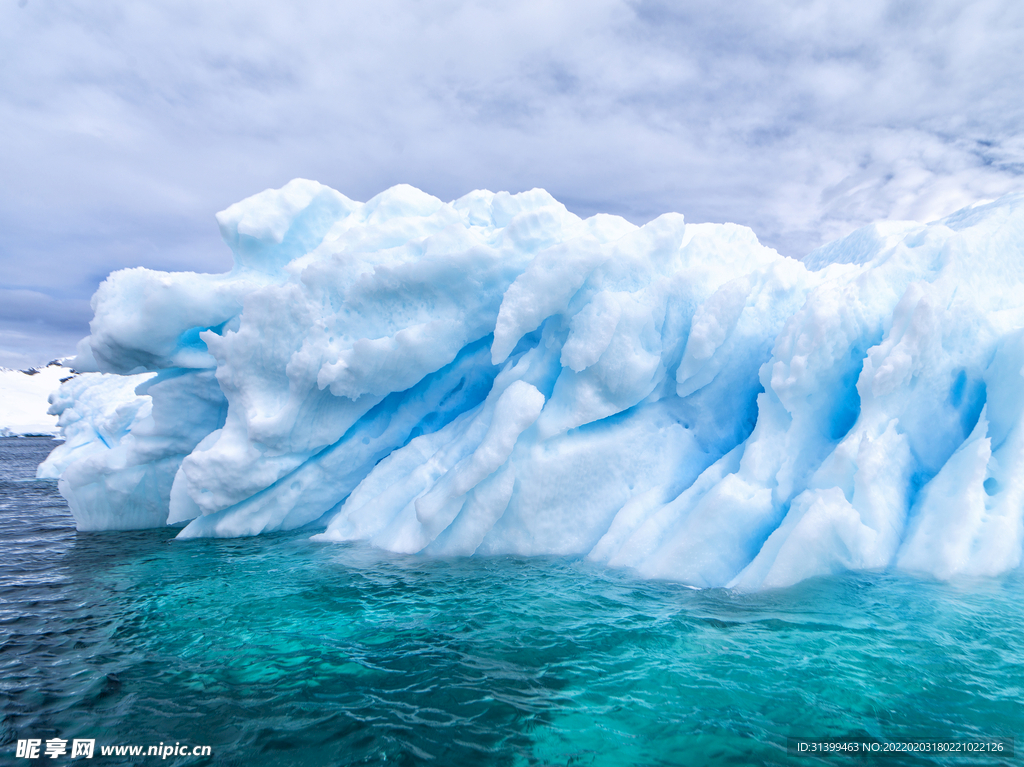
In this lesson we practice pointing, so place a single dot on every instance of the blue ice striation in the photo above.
(496, 375)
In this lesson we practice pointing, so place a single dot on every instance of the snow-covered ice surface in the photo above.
(23, 400)
(495, 375)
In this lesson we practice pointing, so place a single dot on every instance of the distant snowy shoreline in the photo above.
(24, 400)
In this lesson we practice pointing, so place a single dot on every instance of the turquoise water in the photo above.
(279, 651)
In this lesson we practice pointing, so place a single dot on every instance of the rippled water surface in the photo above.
(279, 651)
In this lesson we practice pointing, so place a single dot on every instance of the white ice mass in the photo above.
(496, 375)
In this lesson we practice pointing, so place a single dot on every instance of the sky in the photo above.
(125, 126)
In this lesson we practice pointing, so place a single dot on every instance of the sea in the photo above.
(277, 650)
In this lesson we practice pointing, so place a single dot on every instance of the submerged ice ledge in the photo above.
(495, 375)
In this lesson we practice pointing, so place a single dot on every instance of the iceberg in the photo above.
(496, 375)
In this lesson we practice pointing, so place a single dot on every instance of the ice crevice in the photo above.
(496, 375)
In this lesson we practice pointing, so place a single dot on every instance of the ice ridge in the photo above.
(495, 375)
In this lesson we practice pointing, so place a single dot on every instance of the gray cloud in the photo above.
(127, 125)
(31, 321)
